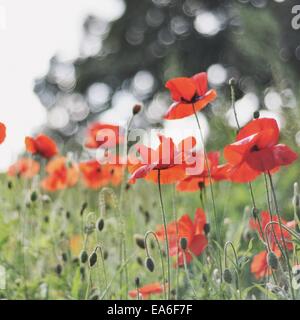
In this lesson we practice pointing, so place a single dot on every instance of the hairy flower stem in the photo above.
(218, 231)
(249, 183)
(166, 233)
(188, 275)
(177, 232)
(281, 234)
(160, 253)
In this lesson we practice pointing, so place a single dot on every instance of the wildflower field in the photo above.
(142, 224)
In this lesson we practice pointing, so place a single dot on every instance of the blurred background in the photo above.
(67, 63)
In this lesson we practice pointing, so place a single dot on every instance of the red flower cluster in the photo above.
(41, 145)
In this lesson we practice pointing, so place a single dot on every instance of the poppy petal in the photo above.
(201, 83)
(181, 89)
(2, 132)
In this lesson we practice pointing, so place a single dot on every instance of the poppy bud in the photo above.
(255, 212)
(227, 276)
(140, 241)
(136, 109)
(95, 297)
(150, 264)
(83, 207)
(33, 196)
(64, 257)
(58, 269)
(206, 228)
(9, 185)
(68, 215)
(105, 255)
(84, 256)
(100, 224)
(137, 282)
(272, 260)
(256, 114)
(46, 219)
(82, 273)
(93, 259)
(231, 82)
(183, 243)
(139, 260)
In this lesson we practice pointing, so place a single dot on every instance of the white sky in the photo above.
(31, 32)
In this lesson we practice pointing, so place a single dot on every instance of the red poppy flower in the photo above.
(264, 220)
(147, 290)
(42, 145)
(101, 133)
(95, 175)
(194, 233)
(61, 175)
(25, 168)
(193, 183)
(172, 161)
(2, 132)
(256, 151)
(189, 94)
(259, 265)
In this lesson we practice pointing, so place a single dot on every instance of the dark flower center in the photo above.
(254, 148)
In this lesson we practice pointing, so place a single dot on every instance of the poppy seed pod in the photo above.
(150, 264)
(84, 256)
(140, 241)
(136, 109)
(183, 243)
(227, 276)
(272, 260)
(100, 224)
(256, 114)
(93, 259)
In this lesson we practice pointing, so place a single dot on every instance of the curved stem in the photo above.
(281, 233)
(188, 274)
(166, 233)
(160, 253)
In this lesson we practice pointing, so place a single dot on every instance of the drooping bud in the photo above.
(150, 264)
(255, 212)
(136, 109)
(100, 224)
(140, 241)
(9, 185)
(256, 114)
(64, 256)
(93, 259)
(137, 282)
(83, 207)
(84, 256)
(231, 81)
(33, 196)
(58, 269)
(206, 228)
(272, 260)
(139, 260)
(227, 276)
(183, 243)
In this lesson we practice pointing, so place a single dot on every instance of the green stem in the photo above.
(218, 232)
(281, 233)
(166, 233)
